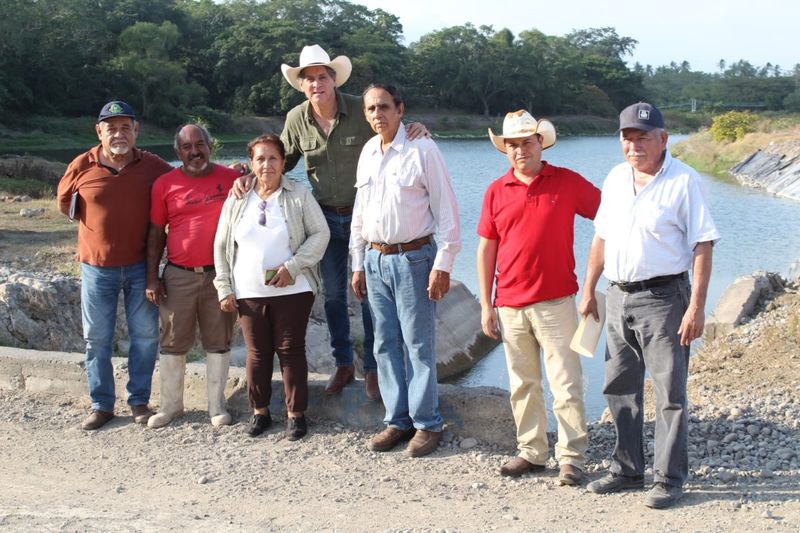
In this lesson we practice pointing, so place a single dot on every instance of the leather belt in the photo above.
(197, 269)
(636, 286)
(388, 249)
(347, 210)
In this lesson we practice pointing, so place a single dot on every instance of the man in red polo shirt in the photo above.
(188, 201)
(526, 253)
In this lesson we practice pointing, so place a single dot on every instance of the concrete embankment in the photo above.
(482, 413)
(776, 168)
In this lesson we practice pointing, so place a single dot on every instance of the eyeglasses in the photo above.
(262, 216)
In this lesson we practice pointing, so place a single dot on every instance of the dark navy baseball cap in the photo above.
(116, 108)
(641, 116)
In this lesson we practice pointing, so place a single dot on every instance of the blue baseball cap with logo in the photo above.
(115, 108)
(641, 116)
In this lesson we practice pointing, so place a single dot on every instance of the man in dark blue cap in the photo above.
(652, 227)
(107, 190)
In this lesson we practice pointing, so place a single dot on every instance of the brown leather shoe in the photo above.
(340, 378)
(96, 419)
(141, 413)
(389, 438)
(570, 475)
(518, 466)
(423, 443)
(371, 388)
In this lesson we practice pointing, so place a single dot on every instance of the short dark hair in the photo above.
(391, 89)
(203, 131)
(269, 138)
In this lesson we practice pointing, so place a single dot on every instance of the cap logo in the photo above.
(644, 114)
(115, 108)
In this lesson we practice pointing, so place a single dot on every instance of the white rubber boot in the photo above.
(216, 378)
(171, 369)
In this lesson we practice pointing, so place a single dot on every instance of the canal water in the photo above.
(758, 229)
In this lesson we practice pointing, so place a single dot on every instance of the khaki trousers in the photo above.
(547, 328)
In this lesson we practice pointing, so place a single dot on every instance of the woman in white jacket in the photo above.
(266, 254)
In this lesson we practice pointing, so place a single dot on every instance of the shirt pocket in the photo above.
(652, 217)
(308, 144)
(407, 175)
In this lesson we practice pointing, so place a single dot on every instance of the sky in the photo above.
(701, 31)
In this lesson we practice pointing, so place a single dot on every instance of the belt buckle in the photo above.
(198, 270)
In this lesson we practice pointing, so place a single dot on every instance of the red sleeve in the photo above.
(158, 203)
(486, 225)
(588, 197)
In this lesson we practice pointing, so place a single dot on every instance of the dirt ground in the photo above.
(192, 477)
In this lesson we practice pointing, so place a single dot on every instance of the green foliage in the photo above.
(732, 126)
(175, 58)
(792, 102)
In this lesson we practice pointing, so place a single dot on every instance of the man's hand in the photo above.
(489, 323)
(228, 304)
(438, 284)
(154, 291)
(359, 285)
(588, 305)
(240, 186)
(692, 325)
(416, 130)
(243, 168)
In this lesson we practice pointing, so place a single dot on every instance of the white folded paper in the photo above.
(589, 330)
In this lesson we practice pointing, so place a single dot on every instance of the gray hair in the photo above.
(659, 132)
(203, 131)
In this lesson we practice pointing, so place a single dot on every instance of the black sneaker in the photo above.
(662, 496)
(259, 424)
(296, 427)
(612, 482)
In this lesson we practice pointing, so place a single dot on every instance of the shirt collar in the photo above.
(510, 179)
(398, 143)
(341, 107)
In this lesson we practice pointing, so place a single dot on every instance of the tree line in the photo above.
(173, 58)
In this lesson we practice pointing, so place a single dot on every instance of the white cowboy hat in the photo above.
(519, 125)
(313, 56)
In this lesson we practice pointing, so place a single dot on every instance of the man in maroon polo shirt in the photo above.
(526, 254)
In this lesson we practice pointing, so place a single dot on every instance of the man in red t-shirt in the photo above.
(526, 253)
(188, 200)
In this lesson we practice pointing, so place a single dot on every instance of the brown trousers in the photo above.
(273, 325)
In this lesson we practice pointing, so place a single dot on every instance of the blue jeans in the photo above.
(405, 340)
(100, 288)
(335, 285)
(642, 332)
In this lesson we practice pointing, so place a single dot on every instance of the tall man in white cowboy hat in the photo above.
(109, 187)
(329, 129)
(526, 254)
(653, 225)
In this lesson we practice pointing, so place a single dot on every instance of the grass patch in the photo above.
(42, 243)
(706, 155)
(25, 186)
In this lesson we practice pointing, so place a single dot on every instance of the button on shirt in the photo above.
(652, 233)
(403, 195)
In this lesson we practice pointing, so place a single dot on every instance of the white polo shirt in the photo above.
(652, 233)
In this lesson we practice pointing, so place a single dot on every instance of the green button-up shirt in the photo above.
(331, 160)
